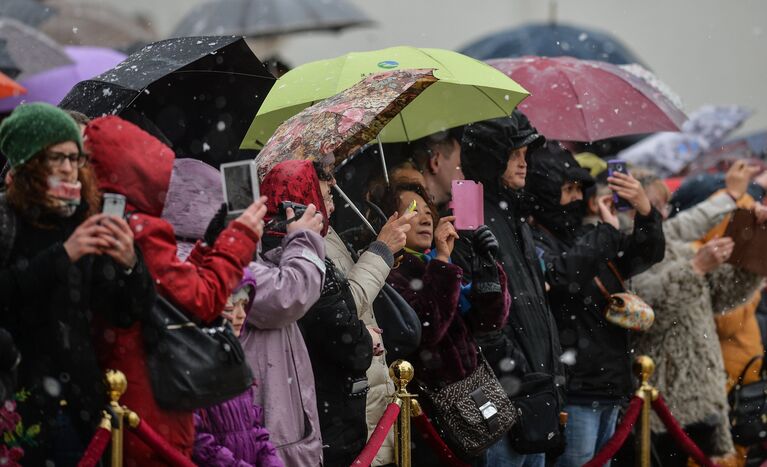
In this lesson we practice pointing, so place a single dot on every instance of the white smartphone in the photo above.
(240, 184)
(113, 204)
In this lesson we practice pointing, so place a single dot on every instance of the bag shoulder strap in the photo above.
(739, 381)
(618, 276)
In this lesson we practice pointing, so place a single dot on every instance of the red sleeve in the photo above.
(203, 287)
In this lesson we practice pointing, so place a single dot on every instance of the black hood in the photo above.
(548, 169)
(485, 146)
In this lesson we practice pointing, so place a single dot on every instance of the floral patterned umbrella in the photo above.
(333, 129)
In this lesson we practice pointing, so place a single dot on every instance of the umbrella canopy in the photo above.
(467, 91)
(52, 85)
(27, 11)
(95, 23)
(551, 40)
(263, 18)
(197, 93)
(9, 87)
(584, 100)
(31, 50)
(669, 153)
(334, 128)
(7, 65)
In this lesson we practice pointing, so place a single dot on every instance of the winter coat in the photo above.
(131, 162)
(738, 329)
(366, 278)
(290, 280)
(232, 434)
(49, 305)
(341, 349)
(448, 351)
(689, 368)
(573, 257)
(530, 338)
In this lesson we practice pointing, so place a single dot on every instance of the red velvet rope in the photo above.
(619, 437)
(95, 448)
(170, 455)
(681, 438)
(368, 453)
(437, 444)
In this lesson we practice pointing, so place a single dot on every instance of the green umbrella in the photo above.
(467, 91)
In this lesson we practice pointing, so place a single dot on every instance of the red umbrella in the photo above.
(584, 100)
(9, 87)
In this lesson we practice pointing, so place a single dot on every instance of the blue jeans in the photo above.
(588, 429)
(501, 454)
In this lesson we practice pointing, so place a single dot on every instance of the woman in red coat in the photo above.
(129, 161)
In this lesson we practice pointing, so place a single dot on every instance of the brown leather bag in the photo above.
(750, 242)
(625, 309)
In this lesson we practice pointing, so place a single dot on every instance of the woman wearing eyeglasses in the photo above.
(62, 265)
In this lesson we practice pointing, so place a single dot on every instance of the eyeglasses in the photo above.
(56, 159)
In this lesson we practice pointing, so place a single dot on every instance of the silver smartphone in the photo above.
(113, 204)
(240, 185)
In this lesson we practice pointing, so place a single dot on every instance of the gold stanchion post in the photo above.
(401, 373)
(644, 368)
(118, 384)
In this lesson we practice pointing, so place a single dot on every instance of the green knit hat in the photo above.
(33, 127)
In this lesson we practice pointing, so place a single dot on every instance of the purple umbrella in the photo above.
(52, 85)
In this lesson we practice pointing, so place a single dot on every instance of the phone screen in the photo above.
(240, 185)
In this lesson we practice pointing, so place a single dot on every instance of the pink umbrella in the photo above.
(52, 85)
(584, 100)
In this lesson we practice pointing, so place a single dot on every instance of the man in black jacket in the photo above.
(599, 353)
(526, 355)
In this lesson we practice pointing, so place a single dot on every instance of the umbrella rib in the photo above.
(404, 128)
(578, 100)
(219, 72)
(491, 99)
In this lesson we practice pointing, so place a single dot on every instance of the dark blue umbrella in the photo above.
(551, 40)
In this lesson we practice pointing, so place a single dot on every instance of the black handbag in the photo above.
(748, 407)
(192, 366)
(399, 322)
(538, 429)
(471, 414)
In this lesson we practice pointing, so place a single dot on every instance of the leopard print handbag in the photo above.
(471, 414)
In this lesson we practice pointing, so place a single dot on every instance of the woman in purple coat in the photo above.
(232, 433)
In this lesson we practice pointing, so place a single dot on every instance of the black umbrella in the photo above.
(198, 93)
(262, 18)
(7, 64)
(28, 12)
(552, 40)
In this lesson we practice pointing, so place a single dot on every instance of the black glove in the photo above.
(216, 225)
(484, 242)
(484, 269)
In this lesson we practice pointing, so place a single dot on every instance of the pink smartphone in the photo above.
(468, 204)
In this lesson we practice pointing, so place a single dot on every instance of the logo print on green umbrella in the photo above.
(388, 64)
